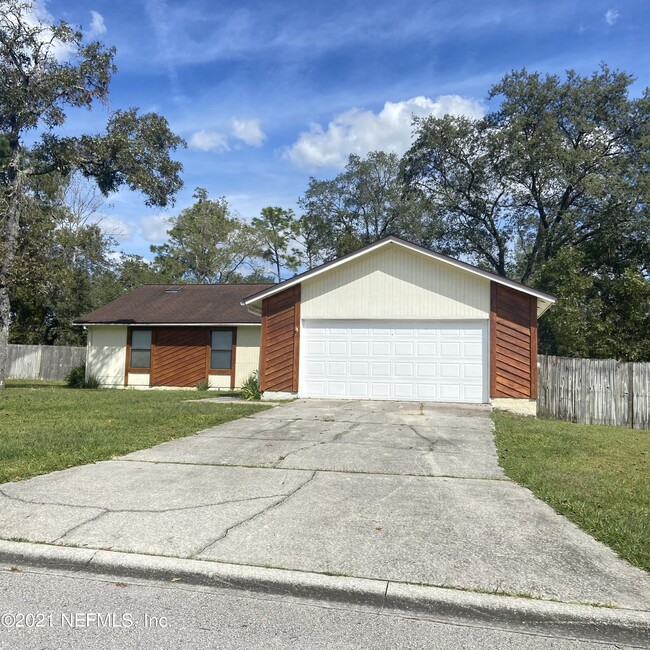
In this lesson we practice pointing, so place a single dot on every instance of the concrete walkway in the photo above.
(406, 492)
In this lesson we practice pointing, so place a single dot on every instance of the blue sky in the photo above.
(268, 94)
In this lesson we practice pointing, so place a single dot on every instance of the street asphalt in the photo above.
(54, 609)
(399, 492)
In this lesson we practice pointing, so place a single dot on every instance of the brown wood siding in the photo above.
(513, 343)
(280, 341)
(178, 356)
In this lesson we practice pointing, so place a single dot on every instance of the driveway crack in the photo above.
(281, 459)
(254, 516)
(429, 442)
(47, 503)
(83, 523)
(144, 510)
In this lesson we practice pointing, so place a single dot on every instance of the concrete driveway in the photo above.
(399, 491)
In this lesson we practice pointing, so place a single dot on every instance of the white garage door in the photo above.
(443, 361)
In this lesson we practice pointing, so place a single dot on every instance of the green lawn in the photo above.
(597, 476)
(47, 426)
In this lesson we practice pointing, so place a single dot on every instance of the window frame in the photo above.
(129, 350)
(233, 347)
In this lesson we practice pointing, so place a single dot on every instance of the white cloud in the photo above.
(248, 131)
(360, 131)
(38, 15)
(154, 228)
(97, 25)
(209, 141)
(115, 227)
(611, 16)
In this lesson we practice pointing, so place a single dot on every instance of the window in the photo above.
(140, 349)
(221, 350)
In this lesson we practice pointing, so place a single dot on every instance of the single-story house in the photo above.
(390, 321)
(176, 336)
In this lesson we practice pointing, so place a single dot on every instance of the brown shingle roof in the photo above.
(196, 304)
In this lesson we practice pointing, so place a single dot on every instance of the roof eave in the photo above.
(324, 268)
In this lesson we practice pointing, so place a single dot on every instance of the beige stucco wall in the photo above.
(222, 382)
(248, 352)
(106, 356)
(139, 379)
(397, 284)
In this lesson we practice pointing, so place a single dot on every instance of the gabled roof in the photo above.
(544, 300)
(182, 304)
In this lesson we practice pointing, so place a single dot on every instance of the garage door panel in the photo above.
(426, 391)
(450, 370)
(359, 348)
(450, 392)
(403, 370)
(380, 348)
(472, 349)
(359, 368)
(380, 390)
(315, 368)
(380, 370)
(404, 391)
(404, 348)
(425, 349)
(438, 361)
(425, 370)
(359, 390)
(472, 370)
(337, 368)
(448, 349)
(317, 347)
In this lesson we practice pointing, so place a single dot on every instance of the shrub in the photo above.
(251, 387)
(76, 378)
(91, 382)
(203, 385)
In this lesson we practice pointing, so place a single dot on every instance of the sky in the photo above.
(270, 93)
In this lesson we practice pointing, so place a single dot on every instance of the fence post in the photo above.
(630, 393)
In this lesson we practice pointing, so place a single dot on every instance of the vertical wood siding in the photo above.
(179, 357)
(280, 341)
(513, 343)
(396, 284)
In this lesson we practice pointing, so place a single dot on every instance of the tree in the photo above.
(63, 262)
(207, 243)
(602, 311)
(551, 188)
(559, 163)
(364, 203)
(45, 70)
(278, 230)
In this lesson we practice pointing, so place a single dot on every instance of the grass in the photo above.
(45, 426)
(596, 476)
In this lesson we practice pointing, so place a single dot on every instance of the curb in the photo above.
(627, 626)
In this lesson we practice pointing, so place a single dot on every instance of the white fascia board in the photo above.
(540, 295)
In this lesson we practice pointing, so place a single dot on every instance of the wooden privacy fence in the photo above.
(595, 391)
(49, 362)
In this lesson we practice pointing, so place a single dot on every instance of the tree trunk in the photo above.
(5, 310)
(11, 220)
